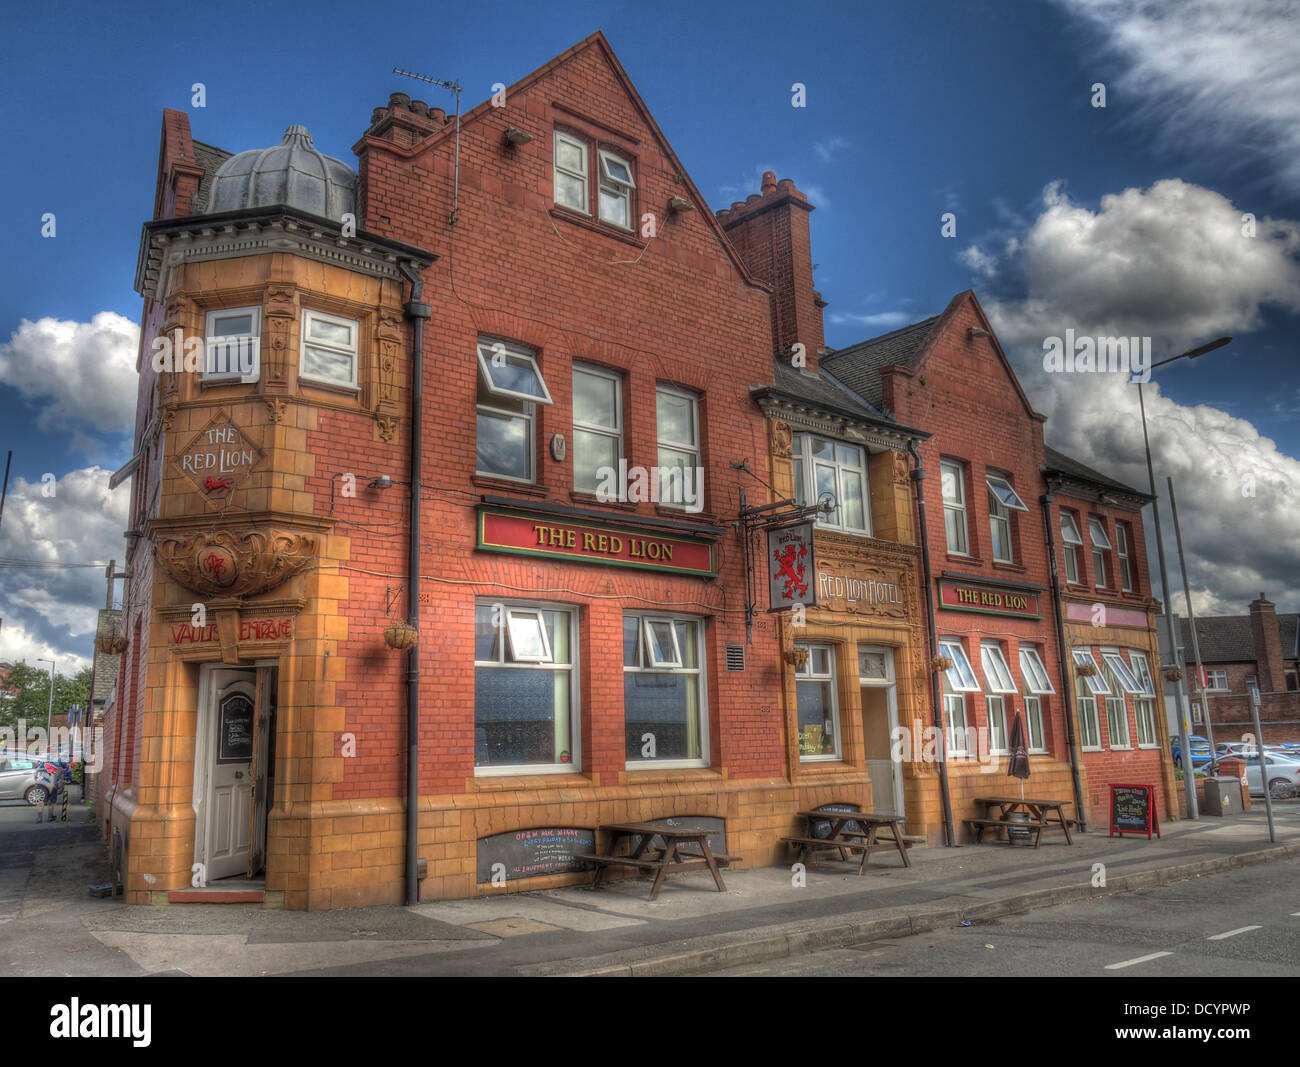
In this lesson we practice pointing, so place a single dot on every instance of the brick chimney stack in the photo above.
(1268, 646)
(769, 231)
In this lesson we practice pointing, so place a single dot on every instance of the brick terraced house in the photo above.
(989, 531)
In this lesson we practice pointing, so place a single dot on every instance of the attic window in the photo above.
(616, 187)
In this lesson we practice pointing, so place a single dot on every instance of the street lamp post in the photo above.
(49, 714)
(1184, 711)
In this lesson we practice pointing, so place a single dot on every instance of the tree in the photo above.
(25, 694)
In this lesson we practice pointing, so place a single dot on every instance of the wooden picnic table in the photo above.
(850, 831)
(671, 859)
(1037, 810)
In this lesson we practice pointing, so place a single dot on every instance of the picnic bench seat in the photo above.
(1037, 828)
(851, 840)
(685, 848)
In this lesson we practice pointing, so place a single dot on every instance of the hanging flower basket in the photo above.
(941, 663)
(400, 634)
(1085, 670)
(1174, 675)
(796, 657)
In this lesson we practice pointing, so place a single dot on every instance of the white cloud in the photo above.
(51, 612)
(828, 149)
(982, 263)
(81, 374)
(889, 320)
(1211, 72)
(1169, 262)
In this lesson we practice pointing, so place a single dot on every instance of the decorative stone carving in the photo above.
(779, 438)
(276, 404)
(235, 563)
(388, 427)
(902, 468)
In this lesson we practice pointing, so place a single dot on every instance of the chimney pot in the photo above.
(769, 182)
(399, 100)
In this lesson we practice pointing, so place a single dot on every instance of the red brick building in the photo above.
(1103, 588)
(989, 524)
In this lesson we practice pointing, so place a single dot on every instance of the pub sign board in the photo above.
(791, 566)
(1133, 810)
(988, 599)
(584, 541)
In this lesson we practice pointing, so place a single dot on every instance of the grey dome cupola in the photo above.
(293, 173)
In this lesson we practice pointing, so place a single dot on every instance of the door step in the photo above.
(240, 893)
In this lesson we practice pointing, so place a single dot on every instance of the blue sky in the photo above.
(978, 108)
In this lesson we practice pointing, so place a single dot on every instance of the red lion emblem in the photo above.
(790, 560)
(216, 485)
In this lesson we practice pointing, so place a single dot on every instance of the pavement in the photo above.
(49, 925)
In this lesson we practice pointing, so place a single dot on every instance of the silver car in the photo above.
(23, 777)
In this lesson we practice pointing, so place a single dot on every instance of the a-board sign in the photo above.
(235, 726)
(534, 853)
(1133, 810)
(822, 829)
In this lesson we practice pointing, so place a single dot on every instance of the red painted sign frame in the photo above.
(1153, 812)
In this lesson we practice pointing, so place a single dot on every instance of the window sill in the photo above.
(1091, 748)
(329, 387)
(826, 763)
(527, 488)
(489, 780)
(673, 771)
(587, 222)
(957, 557)
(591, 500)
(1016, 568)
(1150, 748)
(1121, 748)
(683, 514)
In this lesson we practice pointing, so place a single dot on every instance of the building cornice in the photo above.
(168, 243)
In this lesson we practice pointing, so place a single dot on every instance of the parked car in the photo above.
(23, 777)
(1283, 776)
(1201, 753)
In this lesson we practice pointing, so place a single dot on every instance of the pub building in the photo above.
(352, 679)
(1103, 591)
(987, 570)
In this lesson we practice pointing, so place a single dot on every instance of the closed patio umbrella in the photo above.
(1018, 765)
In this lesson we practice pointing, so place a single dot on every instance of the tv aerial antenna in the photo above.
(456, 88)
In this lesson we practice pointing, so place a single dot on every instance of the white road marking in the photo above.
(1140, 959)
(1233, 933)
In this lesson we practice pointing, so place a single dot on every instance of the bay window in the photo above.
(232, 345)
(525, 698)
(329, 350)
(823, 466)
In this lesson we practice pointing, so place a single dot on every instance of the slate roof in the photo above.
(209, 157)
(1227, 638)
(858, 366)
(822, 392)
(1060, 463)
(105, 664)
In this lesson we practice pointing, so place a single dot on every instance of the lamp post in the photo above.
(1184, 712)
(49, 714)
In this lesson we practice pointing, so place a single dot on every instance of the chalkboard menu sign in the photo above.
(1133, 810)
(534, 853)
(235, 730)
(822, 829)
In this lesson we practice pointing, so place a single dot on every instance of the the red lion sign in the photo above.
(790, 562)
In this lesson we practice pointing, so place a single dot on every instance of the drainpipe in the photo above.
(1067, 691)
(417, 312)
(932, 638)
